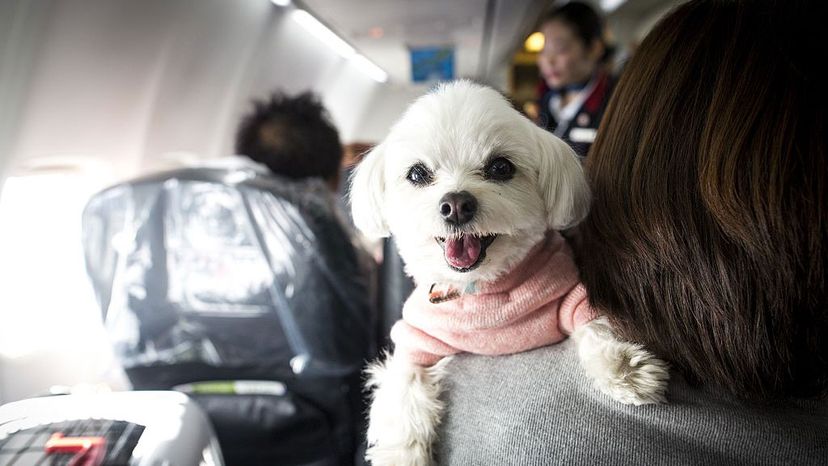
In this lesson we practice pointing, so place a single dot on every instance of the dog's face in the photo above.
(467, 186)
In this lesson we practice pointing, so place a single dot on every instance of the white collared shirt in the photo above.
(565, 115)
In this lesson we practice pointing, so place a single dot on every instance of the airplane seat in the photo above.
(246, 292)
(395, 286)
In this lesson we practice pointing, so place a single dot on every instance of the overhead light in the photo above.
(344, 49)
(534, 43)
(315, 27)
(611, 5)
(281, 2)
(368, 67)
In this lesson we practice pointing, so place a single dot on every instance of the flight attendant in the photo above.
(572, 67)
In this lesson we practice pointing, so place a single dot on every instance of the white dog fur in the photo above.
(454, 131)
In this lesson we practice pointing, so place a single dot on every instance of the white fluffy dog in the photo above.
(468, 186)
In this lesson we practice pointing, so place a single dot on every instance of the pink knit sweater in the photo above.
(538, 303)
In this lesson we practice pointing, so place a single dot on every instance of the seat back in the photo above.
(229, 274)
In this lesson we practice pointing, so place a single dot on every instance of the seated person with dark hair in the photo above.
(238, 283)
(293, 137)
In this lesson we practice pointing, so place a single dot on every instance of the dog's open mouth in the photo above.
(465, 252)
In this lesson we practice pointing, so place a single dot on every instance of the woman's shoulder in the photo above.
(538, 407)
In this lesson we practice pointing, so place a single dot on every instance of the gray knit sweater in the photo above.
(538, 408)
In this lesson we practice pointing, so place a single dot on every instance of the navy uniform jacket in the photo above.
(582, 129)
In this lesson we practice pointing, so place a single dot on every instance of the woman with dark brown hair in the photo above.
(707, 243)
(707, 237)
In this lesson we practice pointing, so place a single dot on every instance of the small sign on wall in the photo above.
(430, 64)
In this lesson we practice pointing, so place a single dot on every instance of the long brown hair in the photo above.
(707, 237)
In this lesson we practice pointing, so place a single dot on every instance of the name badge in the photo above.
(586, 135)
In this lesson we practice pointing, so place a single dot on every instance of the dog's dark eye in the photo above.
(499, 169)
(419, 175)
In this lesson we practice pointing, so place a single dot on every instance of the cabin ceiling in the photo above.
(484, 33)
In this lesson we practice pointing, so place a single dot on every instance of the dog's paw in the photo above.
(625, 371)
(405, 412)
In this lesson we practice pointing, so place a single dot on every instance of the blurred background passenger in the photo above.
(352, 155)
(576, 84)
(293, 137)
(707, 243)
(239, 283)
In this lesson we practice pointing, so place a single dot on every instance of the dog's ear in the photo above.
(367, 193)
(562, 181)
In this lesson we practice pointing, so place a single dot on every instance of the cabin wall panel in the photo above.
(143, 85)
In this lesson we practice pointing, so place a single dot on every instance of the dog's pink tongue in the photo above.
(462, 252)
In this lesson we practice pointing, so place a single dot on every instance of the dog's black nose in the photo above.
(458, 208)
